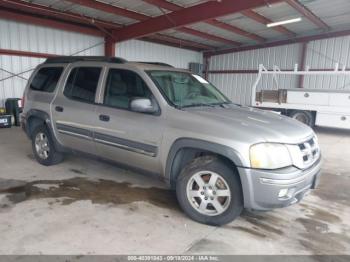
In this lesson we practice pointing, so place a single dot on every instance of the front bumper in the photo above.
(269, 189)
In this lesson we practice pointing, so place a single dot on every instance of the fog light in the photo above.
(283, 192)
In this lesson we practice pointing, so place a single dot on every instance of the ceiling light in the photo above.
(289, 21)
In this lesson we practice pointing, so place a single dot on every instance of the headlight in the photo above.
(269, 156)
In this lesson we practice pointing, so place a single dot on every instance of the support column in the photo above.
(302, 63)
(109, 47)
(206, 67)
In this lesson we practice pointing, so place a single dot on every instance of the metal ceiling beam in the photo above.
(263, 20)
(35, 9)
(181, 42)
(46, 22)
(191, 31)
(302, 9)
(110, 9)
(301, 39)
(127, 13)
(214, 22)
(186, 16)
(236, 30)
(164, 4)
(47, 11)
(109, 44)
(151, 39)
(24, 53)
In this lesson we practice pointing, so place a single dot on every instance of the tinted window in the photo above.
(82, 83)
(46, 79)
(122, 86)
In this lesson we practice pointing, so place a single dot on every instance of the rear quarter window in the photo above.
(46, 79)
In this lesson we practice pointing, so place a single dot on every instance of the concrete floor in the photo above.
(88, 207)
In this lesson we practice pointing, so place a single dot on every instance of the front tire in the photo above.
(209, 191)
(43, 147)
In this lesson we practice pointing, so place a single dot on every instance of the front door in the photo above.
(74, 109)
(127, 137)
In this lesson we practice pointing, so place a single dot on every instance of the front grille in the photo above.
(310, 151)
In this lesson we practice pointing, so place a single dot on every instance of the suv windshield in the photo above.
(183, 89)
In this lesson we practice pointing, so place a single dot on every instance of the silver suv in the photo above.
(219, 157)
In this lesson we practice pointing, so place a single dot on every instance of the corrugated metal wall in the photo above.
(322, 54)
(286, 56)
(238, 86)
(24, 37)
(136, 50)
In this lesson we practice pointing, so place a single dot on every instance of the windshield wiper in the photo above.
(221, 103)
(227, 103)
(198, 104)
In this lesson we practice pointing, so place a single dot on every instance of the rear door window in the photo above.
(82, 84)
(46, 79)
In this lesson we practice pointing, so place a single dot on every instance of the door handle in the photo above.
(104, 118)
(59, 108)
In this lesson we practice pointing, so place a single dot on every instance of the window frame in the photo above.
(97, 87)
(104, 90)
(57, 84)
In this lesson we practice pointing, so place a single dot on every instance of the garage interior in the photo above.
(86, 207)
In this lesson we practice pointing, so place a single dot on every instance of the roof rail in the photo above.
(155, 63)
(72, 59)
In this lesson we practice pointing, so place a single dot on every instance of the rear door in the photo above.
(124, 136)
(74, 108)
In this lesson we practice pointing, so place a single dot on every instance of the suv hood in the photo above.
(255, 123)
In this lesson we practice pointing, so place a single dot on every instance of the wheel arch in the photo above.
(36, 117)
(183, 150)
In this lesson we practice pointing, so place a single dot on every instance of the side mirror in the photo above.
(143, 105)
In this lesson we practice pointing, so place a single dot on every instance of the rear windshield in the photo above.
(46, 79)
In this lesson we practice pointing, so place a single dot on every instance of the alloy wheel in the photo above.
(42, 145)
(208, 193)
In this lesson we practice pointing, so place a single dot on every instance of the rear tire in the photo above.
(43, 147)
(305, 117)
(209, 191)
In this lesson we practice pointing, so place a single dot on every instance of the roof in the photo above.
(244, 28)
(104, 59)
(72, 59)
